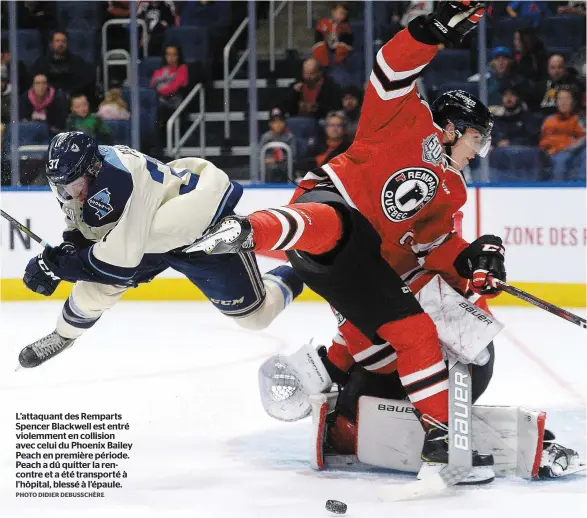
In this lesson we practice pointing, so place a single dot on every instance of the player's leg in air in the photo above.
(235, 286)
(340, 259)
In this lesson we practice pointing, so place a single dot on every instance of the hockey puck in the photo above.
(334, 506)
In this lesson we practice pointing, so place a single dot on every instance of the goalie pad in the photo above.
(390, 436)
(464, 329)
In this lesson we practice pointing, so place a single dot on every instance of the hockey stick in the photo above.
(460, 453)
(547, 306)
(24, 229)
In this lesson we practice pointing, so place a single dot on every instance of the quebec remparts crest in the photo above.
(407, 191)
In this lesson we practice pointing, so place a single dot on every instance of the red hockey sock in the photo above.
(421, 368)
(312, 227)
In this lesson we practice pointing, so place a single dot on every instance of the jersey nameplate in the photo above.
(407, 191)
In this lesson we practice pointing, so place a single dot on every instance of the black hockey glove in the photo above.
(39, 273)
(451, 21)
(484, 257)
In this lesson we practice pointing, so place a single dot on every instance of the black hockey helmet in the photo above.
(464, 111)
(71, 155)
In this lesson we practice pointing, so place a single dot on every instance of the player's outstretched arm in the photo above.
(401, 60)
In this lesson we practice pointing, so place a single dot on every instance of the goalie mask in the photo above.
(282, 394)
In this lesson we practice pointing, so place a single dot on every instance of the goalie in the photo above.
(369, 420)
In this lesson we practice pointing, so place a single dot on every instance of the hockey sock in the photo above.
(422, 370)
(312, 227)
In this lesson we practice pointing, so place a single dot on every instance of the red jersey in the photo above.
(395, 172)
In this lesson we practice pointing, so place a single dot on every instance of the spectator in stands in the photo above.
(413, 10)
(158, 16)
(64, 70)
(563, 138)
(514, 124)
(275, 158)
(315, 95)
(352, 97)
(37, 15)
(334, 37)
(502, 72)
(332, 142)
(44, 103)
(170, 82)
(558, 74)
(6, 92)
(23, 76)
(529, 54)
(82, 120)
(572, 8)
(527, 9)
(113, 107)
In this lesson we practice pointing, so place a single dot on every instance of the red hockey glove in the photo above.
(481, 260)
(450, 21)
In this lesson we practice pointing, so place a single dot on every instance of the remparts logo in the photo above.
(407, 191)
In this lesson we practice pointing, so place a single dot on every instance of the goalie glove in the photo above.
(481, 260)
(451, 21)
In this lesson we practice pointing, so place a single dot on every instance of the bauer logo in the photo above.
(432, 150)
(407, 191)
(100, 202)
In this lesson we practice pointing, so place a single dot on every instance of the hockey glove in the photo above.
(482, 259)
(39, 273)
(451, 21)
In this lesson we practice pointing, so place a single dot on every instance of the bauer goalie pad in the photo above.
(464, 329)
(390, 436)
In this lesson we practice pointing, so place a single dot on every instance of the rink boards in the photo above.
(543, 229)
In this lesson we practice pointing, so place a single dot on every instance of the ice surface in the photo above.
(185, 377)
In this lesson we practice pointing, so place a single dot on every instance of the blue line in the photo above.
(499, 185)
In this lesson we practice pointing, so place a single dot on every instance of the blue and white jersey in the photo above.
(138, 205)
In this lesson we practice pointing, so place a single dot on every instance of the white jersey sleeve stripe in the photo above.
(393, 94)
(393, 75)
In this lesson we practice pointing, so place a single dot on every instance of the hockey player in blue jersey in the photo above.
(128, 218)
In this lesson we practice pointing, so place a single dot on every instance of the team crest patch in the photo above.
(100, 202)
(340, 320)
(432, 150)
(407, 191)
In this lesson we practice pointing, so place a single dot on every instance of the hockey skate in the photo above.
(231, 235)
(558, 461)
(435, 457)
(42, 350)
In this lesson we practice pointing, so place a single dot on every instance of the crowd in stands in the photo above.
(535, 77)
(535, 84)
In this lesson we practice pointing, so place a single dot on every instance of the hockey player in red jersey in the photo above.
(390, 200)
